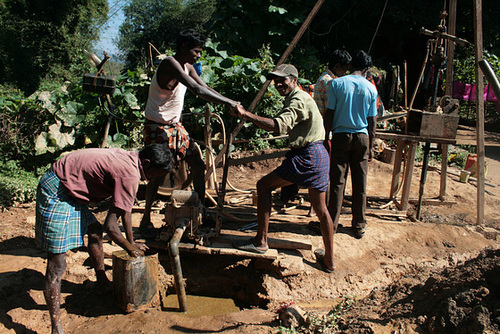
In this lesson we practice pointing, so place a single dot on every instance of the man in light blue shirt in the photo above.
(351, 118)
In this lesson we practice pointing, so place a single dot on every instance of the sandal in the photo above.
(359, 232)
(248, 246)
(320, 258)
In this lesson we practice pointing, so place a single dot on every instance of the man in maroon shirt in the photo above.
(63, 218)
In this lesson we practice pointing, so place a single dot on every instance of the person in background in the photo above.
(338, 66)
(63, 217)
(174, 76)
(351, 117)
(306, 164)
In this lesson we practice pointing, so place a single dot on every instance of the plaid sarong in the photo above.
(61, 222)
(174, 135)
(308, 166)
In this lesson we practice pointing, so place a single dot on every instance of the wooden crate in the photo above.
(431, 124)
(98, 83)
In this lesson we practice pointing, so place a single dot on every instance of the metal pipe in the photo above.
(490, 76)
(175, 262)
(423, 178)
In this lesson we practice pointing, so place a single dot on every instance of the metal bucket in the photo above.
(135, 281)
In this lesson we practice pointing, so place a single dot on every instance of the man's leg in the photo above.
(339, 167)
(97, 256)
(318, 200)
(56, 265)
(151, 189)
(197, 167)
(359, 173)
(265, 186)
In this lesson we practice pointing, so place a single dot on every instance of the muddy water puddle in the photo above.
(201, 305)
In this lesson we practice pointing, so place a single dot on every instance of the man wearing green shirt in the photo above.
(305, 165)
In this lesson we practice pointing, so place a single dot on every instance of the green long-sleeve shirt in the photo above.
(300, 119)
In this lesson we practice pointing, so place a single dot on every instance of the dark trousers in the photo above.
(349, 151)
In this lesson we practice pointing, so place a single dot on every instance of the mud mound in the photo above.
(461, 299)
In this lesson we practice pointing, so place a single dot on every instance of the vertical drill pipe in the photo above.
(175, 262)
(423, 178)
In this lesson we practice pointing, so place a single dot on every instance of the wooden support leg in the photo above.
(410, 162)
(396, 171)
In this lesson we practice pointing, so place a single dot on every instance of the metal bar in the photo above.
(490, 76)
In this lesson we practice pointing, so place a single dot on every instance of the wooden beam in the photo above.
(478, 41)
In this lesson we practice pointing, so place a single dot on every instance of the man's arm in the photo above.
(113, 230)
(170, 69)
(372, 128)
(265, 123)
(327, 122)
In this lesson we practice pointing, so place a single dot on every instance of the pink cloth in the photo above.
(92, 175)
(467, 92)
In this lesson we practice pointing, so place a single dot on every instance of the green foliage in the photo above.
(245, 26)
(43, 40)
(464, 64)
(240, 79)
(158, 22)
(322, 323)
(16, 185)
(457, 155)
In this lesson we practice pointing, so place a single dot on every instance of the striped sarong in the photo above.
(61, 222)
(308, 166)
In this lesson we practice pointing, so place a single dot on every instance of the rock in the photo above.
(291, 316)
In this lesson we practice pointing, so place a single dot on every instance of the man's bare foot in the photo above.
(311, 212)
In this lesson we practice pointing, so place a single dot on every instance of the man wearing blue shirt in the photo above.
(351, 118)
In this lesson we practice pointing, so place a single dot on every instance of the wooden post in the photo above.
(478, 41)
(452, 23)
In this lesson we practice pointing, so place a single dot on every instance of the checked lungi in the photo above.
(308, 166)
(61, 222)
(174, 135)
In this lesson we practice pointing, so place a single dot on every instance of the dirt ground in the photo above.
(437, 275)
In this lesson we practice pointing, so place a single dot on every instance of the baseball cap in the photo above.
(283, 70)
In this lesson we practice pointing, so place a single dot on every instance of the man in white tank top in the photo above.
(163, 111)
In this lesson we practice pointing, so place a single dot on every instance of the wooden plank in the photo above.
(260, 157)
(272, 242)
(378, 212)
(215, 249)
(223, 249)
(400, 136)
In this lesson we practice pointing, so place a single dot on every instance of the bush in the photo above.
(16, 185)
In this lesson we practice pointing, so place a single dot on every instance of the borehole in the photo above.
(214, 284)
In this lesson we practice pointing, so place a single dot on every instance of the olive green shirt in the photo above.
(300, 119)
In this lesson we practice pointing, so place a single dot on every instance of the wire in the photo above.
(378, 26)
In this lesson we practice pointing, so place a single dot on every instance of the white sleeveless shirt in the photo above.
(165, 106)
